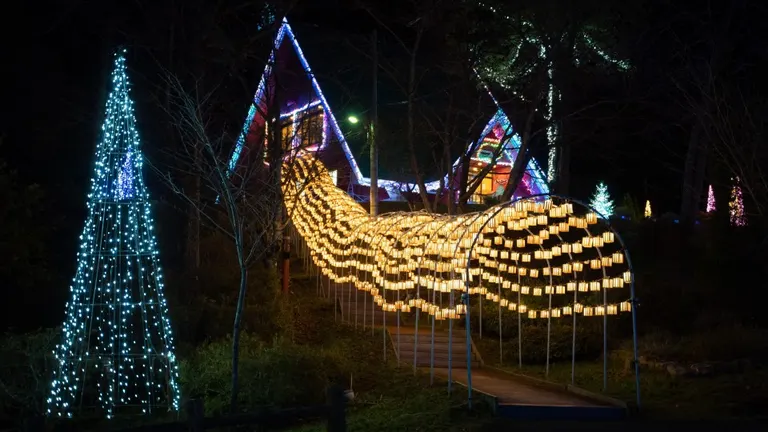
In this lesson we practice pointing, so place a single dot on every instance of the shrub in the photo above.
(26, 365)
(280, 375)
(720, 343)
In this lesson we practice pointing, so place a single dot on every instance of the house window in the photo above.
(303, 129)
(486, 187)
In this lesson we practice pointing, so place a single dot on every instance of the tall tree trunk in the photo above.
(688, 203)
(238, 320)
(562, 65)
(411, 132)
(373, 129)
(517, 172)
(286, 252)
(463, 197)
(478, 179)
(448, 168)
(522, 158)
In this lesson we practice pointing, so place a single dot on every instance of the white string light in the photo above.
(117, 349)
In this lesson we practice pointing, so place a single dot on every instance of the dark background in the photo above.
(57, 59)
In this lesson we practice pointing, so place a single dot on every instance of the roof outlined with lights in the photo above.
(285, 31)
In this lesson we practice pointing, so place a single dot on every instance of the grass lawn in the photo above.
(390, 399)
(727, 396)
(387, 398)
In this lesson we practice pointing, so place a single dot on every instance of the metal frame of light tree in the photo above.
(326, 216)
(117, 346)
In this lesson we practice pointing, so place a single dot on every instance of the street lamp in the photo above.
(373, 199)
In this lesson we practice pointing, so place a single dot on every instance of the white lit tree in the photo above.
(648, 212)
(601, 201)
(116, 353)
(711, 200)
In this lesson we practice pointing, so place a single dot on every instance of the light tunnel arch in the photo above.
(544, 246)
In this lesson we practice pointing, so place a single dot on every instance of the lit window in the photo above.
(335, 176)
(303, 128)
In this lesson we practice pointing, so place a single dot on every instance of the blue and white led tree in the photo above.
(601, 201)
(117, 353)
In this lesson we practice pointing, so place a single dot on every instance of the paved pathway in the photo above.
(509, 390)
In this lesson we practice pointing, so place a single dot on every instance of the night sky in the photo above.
(57, 58)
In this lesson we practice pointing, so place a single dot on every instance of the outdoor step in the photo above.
(427, 338)
(443, 364)
(405, 343)
(438, 349)
(441, 349)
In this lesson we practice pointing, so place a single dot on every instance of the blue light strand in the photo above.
(330, 119)
(117, 348)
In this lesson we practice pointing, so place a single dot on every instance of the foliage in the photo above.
(589, 342)
(690, 284)
(204, 306)
(722, 343)
(23, 231)
(278, 375)
(26, 364)
(726, 396)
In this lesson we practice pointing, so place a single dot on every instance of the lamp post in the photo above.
(370, 135)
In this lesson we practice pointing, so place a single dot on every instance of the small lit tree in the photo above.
(736, 206)
(648, 213)
(711, 200)
(602, 202)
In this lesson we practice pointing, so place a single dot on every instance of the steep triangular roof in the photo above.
(259, 98)
(285, 31)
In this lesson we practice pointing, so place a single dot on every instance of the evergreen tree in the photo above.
(602, 202)
(116, 351)
(648, 213)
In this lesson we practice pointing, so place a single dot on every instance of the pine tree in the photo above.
(736, 205)
(647, 213)
(601, 201)
(116, 352)
(711, 200)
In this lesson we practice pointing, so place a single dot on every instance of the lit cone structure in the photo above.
(542, 257)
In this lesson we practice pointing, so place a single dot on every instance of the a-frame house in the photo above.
(308, 124)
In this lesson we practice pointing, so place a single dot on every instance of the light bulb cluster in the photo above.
(711, 206)
(513, 254)
(736, 205)
(601, 201)
(117, 349)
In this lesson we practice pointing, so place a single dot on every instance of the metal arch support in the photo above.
(438, 232)
(633, 297)
(409, 235)
(395, 218)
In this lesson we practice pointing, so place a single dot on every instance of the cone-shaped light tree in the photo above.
(648, 212)
(736, 205)
(601, 201)
(711, 200)
(116, 353)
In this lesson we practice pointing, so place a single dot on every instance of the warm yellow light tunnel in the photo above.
(545, 257)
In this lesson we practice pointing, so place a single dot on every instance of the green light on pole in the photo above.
(353, 119)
